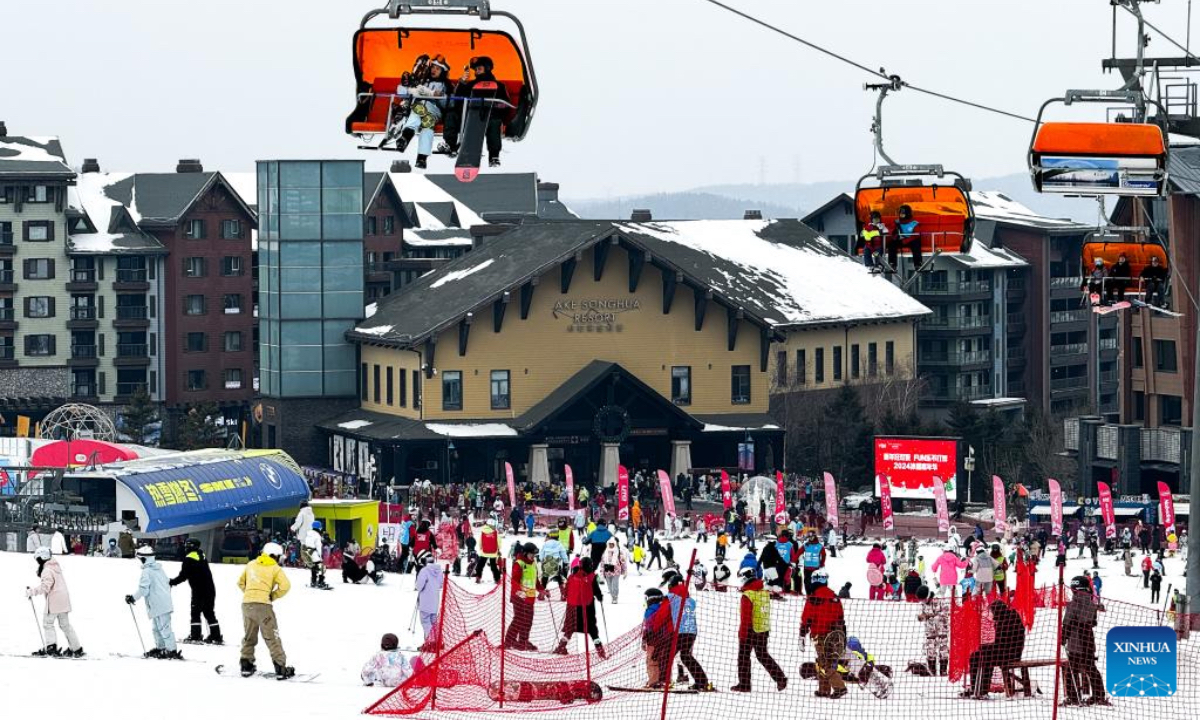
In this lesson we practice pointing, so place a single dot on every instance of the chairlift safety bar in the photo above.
(482, 8)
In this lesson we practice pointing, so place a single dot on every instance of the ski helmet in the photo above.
(389, 642)
(746, 574)
(585, 564)
(144, 551)
(820, 577)
(440, 61)
(42, 554)
(671, 578)
(192, 544)
(483, 60)
(316, 525)
(653, 595)
(272, 549)
(855, 645)
(1079, 583)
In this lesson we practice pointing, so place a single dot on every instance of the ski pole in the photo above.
(605, 621)
(36, 621)
(412, 624)
(138, 628)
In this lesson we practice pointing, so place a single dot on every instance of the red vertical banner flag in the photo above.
(622, 494)
(831, 500)
(726, 492)
(939, 499)
(1106, 510)
(780, 500)
(570, 487)
(512, 485)
(885, 501)
(1166, 507)
(1056, 520)
(668, 496)
(999, 505)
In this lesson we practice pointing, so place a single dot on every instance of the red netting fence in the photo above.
(905, 659)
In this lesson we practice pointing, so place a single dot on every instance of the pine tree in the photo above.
(198, 428)
(139, 415)
(846, 439)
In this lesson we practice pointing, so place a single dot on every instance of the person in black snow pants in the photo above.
(655, 553)
(196, 573)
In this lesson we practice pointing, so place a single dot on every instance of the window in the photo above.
(39, 345)
(38, 194)
(1139, 405)
(889, 357)
(39, 306)
(501, 400)
(837, 363)
(193, 267)
(781, 368)
(195, 230)
(1138, 356)
(232, 303)
(389, 224)
(872, 359)
(1170, 410)
(819, 366)
(391, 387)
(378, 386)
(196, 380)
(196, 342)
(371, 227)
(854, 362)
(452, 388)
(233, 378)
(39, 269)
(231, 266)
(403, 377)
(740, 385)
(416, 388)
(1164, 356)
(681, 385)
(801, 368)
(231, 229)
(362, 382)
(6, 233)
(233, 341)
(193, 305)
(38, 230)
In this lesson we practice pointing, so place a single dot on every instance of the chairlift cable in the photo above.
(860, 66)
(1167, 37)
(1170, 252)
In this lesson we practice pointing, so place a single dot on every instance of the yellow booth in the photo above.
(342, 520)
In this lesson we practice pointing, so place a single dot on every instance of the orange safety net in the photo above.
(1120, 139)
(389, 53)
(1138, 254)
(943, 213)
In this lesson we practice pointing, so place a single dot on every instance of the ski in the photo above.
(234, 672)
(200, 642)
(127, 656)
(672, 690)
(1155, 308)
(1108, 309)
(47, 657)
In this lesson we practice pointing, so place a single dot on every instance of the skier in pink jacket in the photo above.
(58, 606)
(946, 568)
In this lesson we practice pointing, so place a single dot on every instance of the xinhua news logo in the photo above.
(1141, 662)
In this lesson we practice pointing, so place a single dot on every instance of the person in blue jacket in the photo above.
(750, 561)
(156, 589)
(906, 235)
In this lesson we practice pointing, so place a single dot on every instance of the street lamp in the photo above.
(449, 449)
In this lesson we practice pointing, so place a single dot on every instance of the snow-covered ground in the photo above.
(332, 633)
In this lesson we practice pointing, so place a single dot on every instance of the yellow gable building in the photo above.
(593, 344)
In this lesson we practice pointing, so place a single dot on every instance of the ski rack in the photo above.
(482, 8)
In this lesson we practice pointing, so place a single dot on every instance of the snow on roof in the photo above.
(811, 282)
(982, 256)
(416, 188)
(997, 206)
(438, 238)
(381, 330)
(92, 191)
(467, 430)
(97, 242)
(710, 427)
(369, 310)
(29, 149)
(354, 424)
(460, 274)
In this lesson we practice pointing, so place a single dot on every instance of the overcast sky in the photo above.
(637, 95)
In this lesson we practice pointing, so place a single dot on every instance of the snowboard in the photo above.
(234, 671)
(565, 692)
(1108, 309)
(1155, 308)
(474, 130)
(808, 671)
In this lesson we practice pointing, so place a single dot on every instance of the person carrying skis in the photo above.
(485, 96)
(1078, 636)
(427, 106)
(525, 589)
(688, 629)
(754, 632)
(314, 558)
(824, 619)
(154, 586)
(430, 580)
(388, 667)
(58, 606)
(614, 567)
(262, 582)
(196, 573)
(583, 592)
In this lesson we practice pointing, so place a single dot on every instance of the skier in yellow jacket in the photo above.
(262, 583)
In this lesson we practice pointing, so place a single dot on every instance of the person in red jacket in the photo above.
(754, 629)
(824, 619)
(583, 591)
(525, 589)
(422, 542)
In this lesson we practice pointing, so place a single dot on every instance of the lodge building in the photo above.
(598, 343)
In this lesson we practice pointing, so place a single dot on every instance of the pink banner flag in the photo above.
(1106, 510)
(570, 487)
(726, 492)
(622, 494)
(1166, 507)
(668, 495)
(512, 485)
(939, 499)
(1056, 520)
(885, 501)
(999, 505)
(781, 514)
(831, 500)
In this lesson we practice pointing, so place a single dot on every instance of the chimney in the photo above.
(189, 165)
(641, 215)
(401, 166)
(480, 233)
(91, 165)
(547, 192)
(752, 215)
(3, 129)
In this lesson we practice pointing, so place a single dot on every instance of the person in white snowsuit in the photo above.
(304, 521)
(953, 539)
(58, 544)
(936, 618)
(429, 594)
(388, 667)
(156, 589)
(58, 606)
(313, 555)
(428, 107)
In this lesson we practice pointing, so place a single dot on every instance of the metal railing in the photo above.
(128, 275)
(1162, 444)
(134, 350)
(6, 277)
(83, 351)
(6, 237)
(1070, 383)
(1108, 343)
(83, 275)
(957, 357)
(131, 312)
(7, 314)
(83, 312)
(7, 352)
(1073, 281)
(1108, 442)
(1071, 433)
(955, 322)
(84, 390)
(129, 388)
(1068, 316)
(948, 287)
(1069, 349)
(1110, 376)
(965, 394)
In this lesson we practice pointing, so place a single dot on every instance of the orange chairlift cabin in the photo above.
(939, 200)
(383, 55)
(1110, 243)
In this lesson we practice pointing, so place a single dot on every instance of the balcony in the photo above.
(1068, 316)
(126, 389)
(974, 357)
(1070, 349)
(1108, 343)
(83, 312)
(1071, 434)
(1109, 376)
(131, 316)
(1072, 282)
(84, 390)
(1108, 442)
(81, 279)
(134, 350)
(1162, 444)
(1071, 383)
(1016, 388)
(7, 352)
(957, 323)
(953, 287)
(131, 276)
(8, 314)
(964, 394)
(1015, 322)
(6, 243)
(6, 277)
(83, 351)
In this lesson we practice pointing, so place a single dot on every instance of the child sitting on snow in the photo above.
(861, 664)
(388, 667)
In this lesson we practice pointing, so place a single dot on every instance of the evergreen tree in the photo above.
(198, 428)
(139, 415)
(845, 446)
